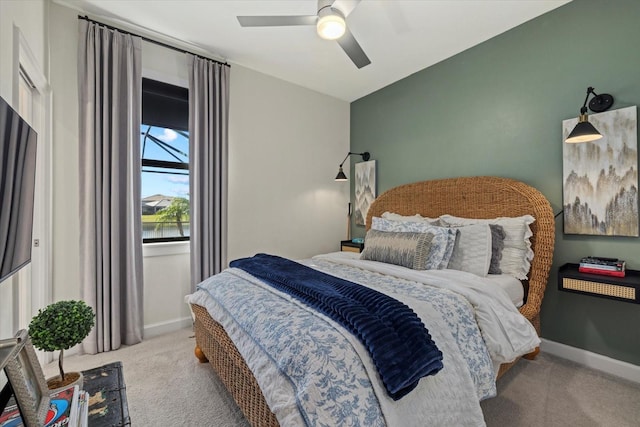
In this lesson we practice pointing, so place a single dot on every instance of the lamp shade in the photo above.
(341, 176)
(583, 132)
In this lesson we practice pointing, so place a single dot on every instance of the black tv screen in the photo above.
(17, 186)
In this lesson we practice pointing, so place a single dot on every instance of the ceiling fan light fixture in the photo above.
(331, 25)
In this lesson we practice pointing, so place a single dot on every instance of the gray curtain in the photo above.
(208, 158)
(110, 94)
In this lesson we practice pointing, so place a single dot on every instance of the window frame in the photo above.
(165, 99)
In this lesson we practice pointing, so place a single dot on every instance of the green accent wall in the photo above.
(497, 109)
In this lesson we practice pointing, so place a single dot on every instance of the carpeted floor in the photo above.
(550, 391)
(167, 386)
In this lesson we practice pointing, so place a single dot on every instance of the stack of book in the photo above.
(606, 266)
(68, 407)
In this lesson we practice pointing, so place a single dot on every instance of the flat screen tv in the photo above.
(17, 186)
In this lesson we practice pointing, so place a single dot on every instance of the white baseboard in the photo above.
(591, 360)
(150, 331)
(155, 329)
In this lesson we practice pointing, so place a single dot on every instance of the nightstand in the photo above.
(349, 246)
(625, 288)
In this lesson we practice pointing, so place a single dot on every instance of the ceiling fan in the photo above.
(330, 24)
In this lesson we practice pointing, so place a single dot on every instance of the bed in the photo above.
(465, 197)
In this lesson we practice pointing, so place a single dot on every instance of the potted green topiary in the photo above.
(60, 326)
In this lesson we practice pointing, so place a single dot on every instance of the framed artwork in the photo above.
(365, 189)
(26, 378)
(600, 178)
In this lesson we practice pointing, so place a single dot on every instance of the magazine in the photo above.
(83, 408)
(68, 407)
(63, 408)
(10, 416)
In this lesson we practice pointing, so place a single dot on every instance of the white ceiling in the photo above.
(400, 37)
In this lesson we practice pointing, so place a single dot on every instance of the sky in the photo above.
(158, 183)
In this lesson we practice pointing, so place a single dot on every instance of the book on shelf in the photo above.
(601, 271)
(601, 267)
(605, 264)
(63, 408)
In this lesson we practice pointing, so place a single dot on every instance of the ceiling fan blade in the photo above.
(276, 21)
(351, 47)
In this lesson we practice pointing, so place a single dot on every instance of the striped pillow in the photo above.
(444, 238)
(418, 251)
(409, 250)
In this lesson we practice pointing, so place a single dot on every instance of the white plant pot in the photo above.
(79, 382)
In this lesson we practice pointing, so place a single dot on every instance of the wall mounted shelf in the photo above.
(618, 288)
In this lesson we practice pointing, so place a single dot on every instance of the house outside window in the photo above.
(164, 142)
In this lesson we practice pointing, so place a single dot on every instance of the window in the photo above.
(164, 144)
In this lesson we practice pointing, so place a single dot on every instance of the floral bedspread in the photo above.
(313, 372)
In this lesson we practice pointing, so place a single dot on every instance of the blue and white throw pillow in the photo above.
(441, 240)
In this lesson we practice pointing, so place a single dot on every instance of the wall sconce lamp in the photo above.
(585, 131)
(341, 176)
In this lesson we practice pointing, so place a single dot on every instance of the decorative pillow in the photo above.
(517, 253)
(452, 237)
(497, 246)
(443, 241)
(413, 218)
(385, 224)
(472, 251)
(409, 250)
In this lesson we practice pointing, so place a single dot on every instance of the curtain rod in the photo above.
(159, 43)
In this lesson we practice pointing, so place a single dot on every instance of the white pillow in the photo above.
(472, 250)
(441, 246)
(413, 218)
(517, 253)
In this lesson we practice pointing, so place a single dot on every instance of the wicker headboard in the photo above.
(483, 197)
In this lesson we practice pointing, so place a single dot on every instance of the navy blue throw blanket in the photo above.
(400, 345)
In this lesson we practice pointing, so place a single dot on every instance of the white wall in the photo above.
(285, 146)
(167, 280)
(29, 17)
(167, 276)
(63, 40)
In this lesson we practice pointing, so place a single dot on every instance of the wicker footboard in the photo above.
(227, 362)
